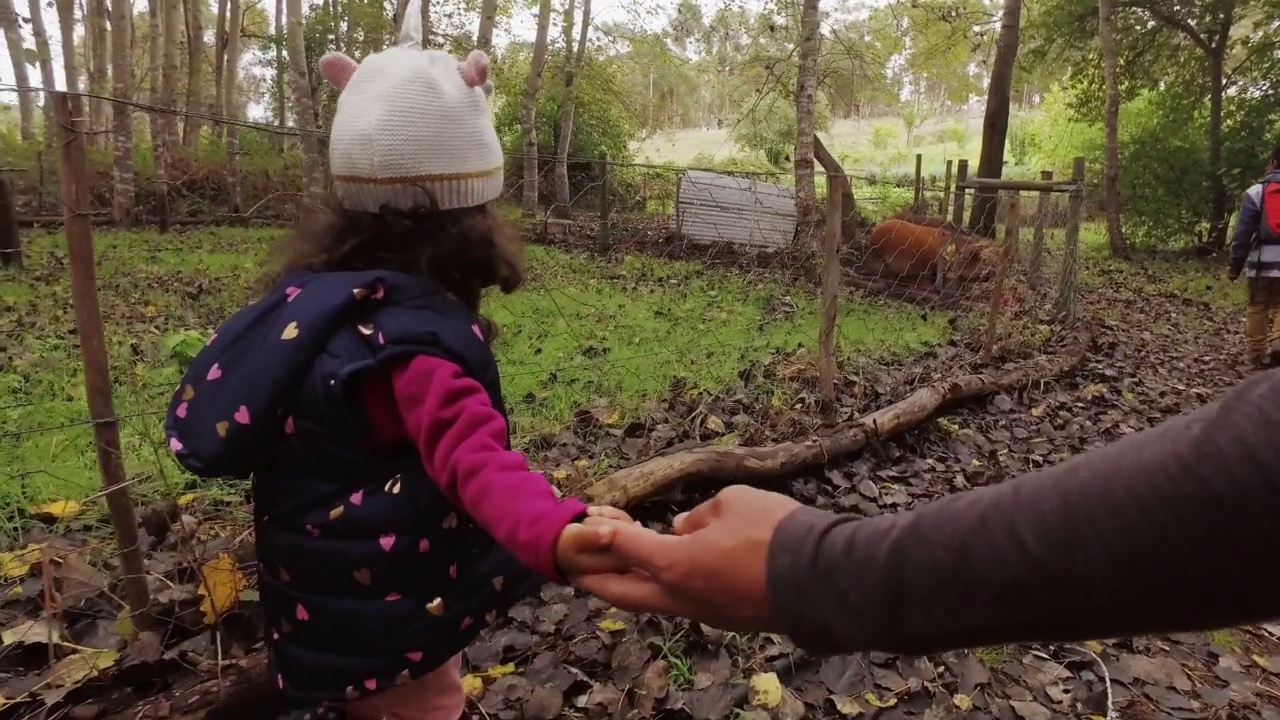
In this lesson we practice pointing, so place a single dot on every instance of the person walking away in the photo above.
(1255, 250)
(393, 521)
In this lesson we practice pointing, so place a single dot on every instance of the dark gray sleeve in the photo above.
(1172, 529)
(1246, 228)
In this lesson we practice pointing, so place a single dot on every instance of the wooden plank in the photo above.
(1016, 185)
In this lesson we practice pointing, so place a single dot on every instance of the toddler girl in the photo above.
(393, 520)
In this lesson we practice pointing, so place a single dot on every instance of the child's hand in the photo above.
(583, 548)
(608, 512)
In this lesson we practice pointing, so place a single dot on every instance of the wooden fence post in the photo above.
(946, 191)
(10, 239)
(1065, 303)
(830, 296)
(918, 202)
(602, 235)
(957, 211)
(74, 182)
(1009, 250)
(1036, 260)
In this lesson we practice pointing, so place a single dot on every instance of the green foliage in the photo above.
(912, 118)
(882, 136)
(767, 126)
(184, 345)
(1018, 141)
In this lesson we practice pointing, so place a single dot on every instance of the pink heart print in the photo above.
(288, 425)
(301, 613)
(476, 329)
(357, 497)
(181, 411)
(371, 684)
(175, 445)
(312, 531)
(466, 622)
(414, 656)
(393, 597)
(424, 545)
(242, 415)
(387, 541)
(378, 291)
(280, 682)
(453, 571)
(215, 372)
(210, 340)
(291, 292)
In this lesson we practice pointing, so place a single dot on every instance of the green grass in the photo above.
(585, 333)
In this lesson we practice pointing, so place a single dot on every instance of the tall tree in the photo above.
(304, 106)
(18, 56)
(194, 11)
(573, 66)
(488, 18)
(122, 202)
(529, 116)
(231, 96)
(155, 68)
(806, 92)
(220, 64)
(171, 22)
(96, 38)
(67, 33)
(45, 59)
(1111, 169)
(995, 123)
(281, 104)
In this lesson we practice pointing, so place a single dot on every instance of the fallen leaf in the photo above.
(79, 580)
(18, 564)
(473, 686)
(1031, 710)
(765, 690)
(714, 424)
(220, 584)
(498, 671)
(57, 510)
(75, 669)
(963, 702)
(187, 499)
(612, 625)
(544, 703)
(40, 630)
(847, 706)
(874, 701)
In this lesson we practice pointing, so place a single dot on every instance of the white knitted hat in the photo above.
(412, 129)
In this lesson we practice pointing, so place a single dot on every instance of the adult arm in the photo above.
(1171, 529)
(461, 438)
(1246, 228)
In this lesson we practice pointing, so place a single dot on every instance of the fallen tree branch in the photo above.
(664, 473)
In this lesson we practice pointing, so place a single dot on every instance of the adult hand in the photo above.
(713, 570)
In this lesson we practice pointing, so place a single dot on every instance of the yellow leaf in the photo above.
(123, 626)
(75, 669)
(498, 671)
(612, 625)
(848, 706)
(17, 564)
(764, 690)
(714, 424)
(40, 630)
(473, 686)
(963, 702)
(220, 584)
(58, 509)
(1262, 662)
(1094, 646)
(185, 500)
(613, 417)
(874, 701)
(559, 474)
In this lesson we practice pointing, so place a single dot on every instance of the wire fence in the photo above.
(664, 305)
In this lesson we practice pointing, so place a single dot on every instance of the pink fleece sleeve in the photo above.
(462, 441)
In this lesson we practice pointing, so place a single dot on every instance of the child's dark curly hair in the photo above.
(465, 251)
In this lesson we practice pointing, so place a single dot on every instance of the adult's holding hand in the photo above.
(713, 570)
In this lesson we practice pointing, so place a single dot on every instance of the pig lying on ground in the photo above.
(908, 250)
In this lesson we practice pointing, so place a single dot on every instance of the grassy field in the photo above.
(584, 333)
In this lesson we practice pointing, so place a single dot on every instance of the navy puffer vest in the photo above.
(368, 575)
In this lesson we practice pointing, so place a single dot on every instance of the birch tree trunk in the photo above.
(282, 105)
(171, 19)
(806, 90)
(488, 18)
(231, 97)
(47, 77)
(573, 66)
(17, 56)
(529, 116)
(194, 12)
(1111, 160)
(122, 201)
(304, 106)
(220, 65)
(96, 38)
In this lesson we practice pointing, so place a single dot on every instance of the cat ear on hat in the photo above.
(337, 68)
(475, 70)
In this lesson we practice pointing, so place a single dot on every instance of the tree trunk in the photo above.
(122, 115)
(18, 56)
(995, 124)
(529, 116)
(304, 110)
(171, 18)
(97, 40)
(1219, 209)
(155, 65)
(194, 10)
(67, 33)
(488, 18)
(398, 20)
(806, 90)
(231, 98)
(1111, 171)
(429, 39)
(47, 77)
(282, 105)
(220, 65)
(573, 66)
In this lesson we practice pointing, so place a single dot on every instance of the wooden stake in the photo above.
(1008, 251)
(830, 296)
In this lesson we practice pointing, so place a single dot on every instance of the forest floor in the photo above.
(1166, 342)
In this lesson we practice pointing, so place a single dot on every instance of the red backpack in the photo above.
(1269, 206)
